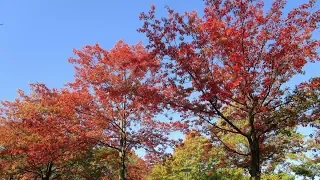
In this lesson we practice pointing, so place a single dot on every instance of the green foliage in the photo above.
(307, 169)
(279, 176)
(198, 155)
(229, 173)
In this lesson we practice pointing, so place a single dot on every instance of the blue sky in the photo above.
(38, 36)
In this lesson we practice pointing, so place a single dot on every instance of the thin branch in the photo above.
(230, 149)
(216, 126)
(226, 119)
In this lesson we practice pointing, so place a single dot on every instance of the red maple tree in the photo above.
(125, 100)
(236, 56)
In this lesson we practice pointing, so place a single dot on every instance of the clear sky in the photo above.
(38, 35)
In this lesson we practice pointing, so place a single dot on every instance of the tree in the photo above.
(206, 160)
(124, 100)
(240, 56)
(196, 153)
(39, 133)
(275, 151)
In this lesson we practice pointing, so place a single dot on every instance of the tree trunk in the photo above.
(48, 172)
(255, 171)
(123, 140)
(122, 175)
(122, 153)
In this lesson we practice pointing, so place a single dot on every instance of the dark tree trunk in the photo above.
(122, 153)
(48, 172)
(255, 171)
(123, 139)
(122, 175)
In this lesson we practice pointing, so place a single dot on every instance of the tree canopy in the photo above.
(224, 79)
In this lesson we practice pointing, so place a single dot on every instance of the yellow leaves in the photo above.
(223, 39)
(292, 155)
(33, 137)
(196, 153)
(308, 94)
(158, 172)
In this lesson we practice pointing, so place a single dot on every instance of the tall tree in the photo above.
(125, 101)
(39, 133)
(236, 55)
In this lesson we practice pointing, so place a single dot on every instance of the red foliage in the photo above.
(125, 98)
(235, 56)
(41, 129)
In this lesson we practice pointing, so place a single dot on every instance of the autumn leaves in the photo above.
(111, 104)
(225, 74)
